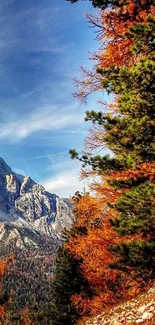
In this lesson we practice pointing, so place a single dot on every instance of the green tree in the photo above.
(100, 3)
(130, 134)
(68, 280)
(103, 4)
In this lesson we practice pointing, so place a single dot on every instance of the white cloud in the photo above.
(46, 118)
(65, 184)
(19, 171)
(65, 179)
(47, 156)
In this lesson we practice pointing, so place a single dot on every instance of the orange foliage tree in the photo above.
(114, 231)
(91, 241)
(116, 42)
(26, 317)
(3, 267)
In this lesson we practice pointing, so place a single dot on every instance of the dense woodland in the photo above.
(27, 281)
(109, 254)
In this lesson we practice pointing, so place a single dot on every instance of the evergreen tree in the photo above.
(130, 134)
(68, 280)
(103, 4)
(119, 223)
(100, 3)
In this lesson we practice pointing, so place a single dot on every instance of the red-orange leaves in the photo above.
(87, 210)
(115, 44)
(26, 317)
(91, 242)
(145, 170)
(115, 24)
(3, 266)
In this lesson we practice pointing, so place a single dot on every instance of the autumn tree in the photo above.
(131, 149)
(119, 225)
(117, 40)
(26, 318)
(3, 297)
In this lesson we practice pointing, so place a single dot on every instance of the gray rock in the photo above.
(147, 315)
(23, 199)
(139, 321)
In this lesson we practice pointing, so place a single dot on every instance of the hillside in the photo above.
(140, 310)
(31, 223)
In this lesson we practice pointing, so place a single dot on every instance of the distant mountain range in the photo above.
(28, 213)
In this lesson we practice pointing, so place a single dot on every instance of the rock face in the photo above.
(27, 210)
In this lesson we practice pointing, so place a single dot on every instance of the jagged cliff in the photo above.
(27, 211)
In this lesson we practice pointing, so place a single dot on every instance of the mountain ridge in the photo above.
(27, 208)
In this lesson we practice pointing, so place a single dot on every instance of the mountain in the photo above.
(31, 225)
(28, 213)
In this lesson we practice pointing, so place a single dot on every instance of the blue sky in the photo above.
(42, 45)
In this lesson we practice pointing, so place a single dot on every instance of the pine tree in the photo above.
(100, 3)
(103, 4)
(68, 280)
(129, 132)
(116, 239)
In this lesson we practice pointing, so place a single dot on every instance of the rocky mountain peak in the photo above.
(4, 168)
(26, 205)
(26, 185)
